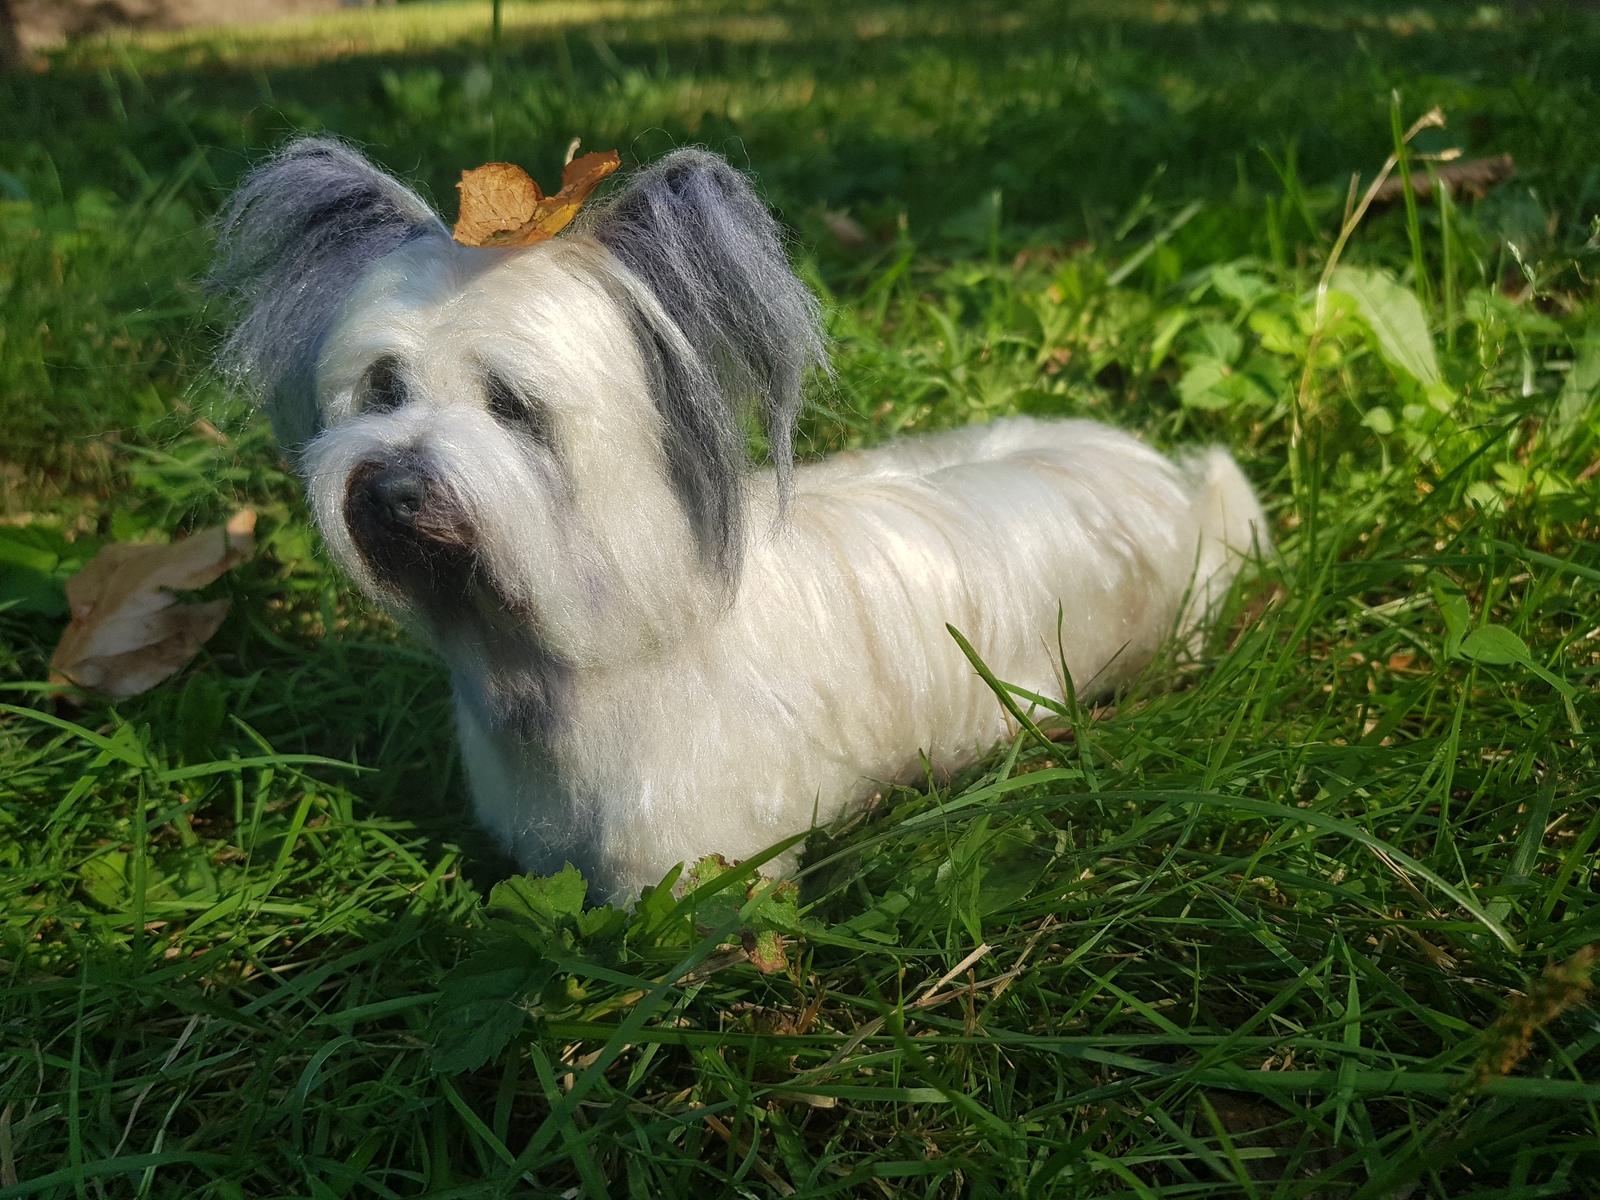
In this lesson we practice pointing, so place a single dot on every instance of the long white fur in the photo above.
(700, 722)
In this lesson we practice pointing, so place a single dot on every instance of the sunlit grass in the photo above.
(423, 27)
(408, 29)
(1275, 922)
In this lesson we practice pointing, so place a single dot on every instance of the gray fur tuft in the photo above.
(693, 230)
(291, 242)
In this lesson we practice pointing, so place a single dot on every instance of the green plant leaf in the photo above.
(25, 548)
(601, 924)
(1202, 385)
(1578, 392)
(1244, 287)
(546, 902)
(1452, 602)
(1497, 646)
(104, 880)
(1486, 307)
(712, 892)
(202, 709)
(1379, 419)
(656, 917)
(1219, 341)
(1396, 319)
(477, 1012)
(1277, 333)
(776, 906)
(1171, 325)
(34, 563)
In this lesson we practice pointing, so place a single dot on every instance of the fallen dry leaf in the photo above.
(501, 205)
(846, 230)
(1472, 177)
(128, 631)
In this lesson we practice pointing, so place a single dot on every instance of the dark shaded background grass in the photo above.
(1246, 930)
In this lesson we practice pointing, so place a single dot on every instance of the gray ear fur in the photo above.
(693, 230)
(291, 243)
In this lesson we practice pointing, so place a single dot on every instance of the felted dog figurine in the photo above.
(537, 458)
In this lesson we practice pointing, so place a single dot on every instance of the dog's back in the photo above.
(833, 672)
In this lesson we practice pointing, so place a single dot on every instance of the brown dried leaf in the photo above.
(845, 229)
(497, 200)
(1472, 177)
(502, 206)
(128, 631)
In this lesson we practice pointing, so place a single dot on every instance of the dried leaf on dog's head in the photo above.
(128, 631)
(501, 205)
(497, 201)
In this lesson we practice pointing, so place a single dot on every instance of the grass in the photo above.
(1310, 917)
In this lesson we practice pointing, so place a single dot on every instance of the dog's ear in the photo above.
(291, 243)
(693, 231)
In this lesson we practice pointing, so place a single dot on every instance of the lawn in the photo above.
(1312, 913)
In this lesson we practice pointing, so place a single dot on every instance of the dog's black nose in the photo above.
(397, 492)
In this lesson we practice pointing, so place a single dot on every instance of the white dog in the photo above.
(537, 457)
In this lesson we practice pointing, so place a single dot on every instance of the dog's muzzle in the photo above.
(410, 528)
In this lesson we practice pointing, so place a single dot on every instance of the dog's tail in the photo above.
(1233, 529)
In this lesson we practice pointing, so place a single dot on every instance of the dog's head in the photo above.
(546, 439)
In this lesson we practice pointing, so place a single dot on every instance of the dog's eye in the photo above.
(515, 410)
(383, 387)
